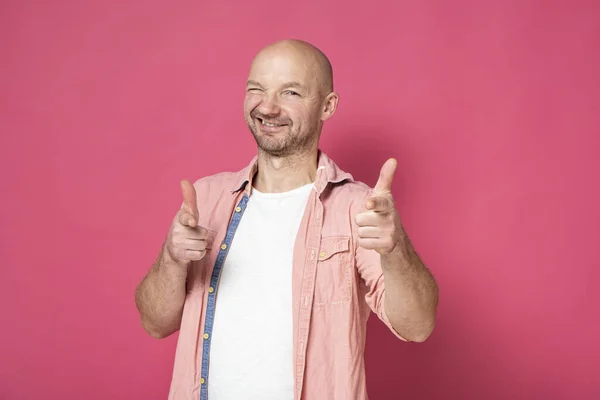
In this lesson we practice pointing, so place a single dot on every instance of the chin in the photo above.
(274, 148)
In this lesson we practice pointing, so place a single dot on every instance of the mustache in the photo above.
(271, 119)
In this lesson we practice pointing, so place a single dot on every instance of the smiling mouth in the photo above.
(270, 124)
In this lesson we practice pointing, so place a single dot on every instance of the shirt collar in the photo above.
(327, 172)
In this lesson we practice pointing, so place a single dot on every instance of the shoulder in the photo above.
(355, 188)
(349, 194)
(352, 189)
(217, 185)
(221, 178)
(227, 180)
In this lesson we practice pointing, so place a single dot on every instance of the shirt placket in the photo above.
(307, 291)
(212, 293)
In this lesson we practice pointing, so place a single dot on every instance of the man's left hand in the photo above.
(379, 227)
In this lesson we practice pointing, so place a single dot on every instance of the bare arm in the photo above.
(161, 294)
(411, 293)
(160, 297)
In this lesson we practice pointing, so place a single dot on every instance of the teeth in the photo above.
(268, 123)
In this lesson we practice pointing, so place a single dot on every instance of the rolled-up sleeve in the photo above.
(368, 264)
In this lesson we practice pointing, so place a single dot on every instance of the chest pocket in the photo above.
(198, 274)
(333, 283)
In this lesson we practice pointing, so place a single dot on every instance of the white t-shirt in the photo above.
(251, 352)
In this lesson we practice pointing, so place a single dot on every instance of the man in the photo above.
(270, 274)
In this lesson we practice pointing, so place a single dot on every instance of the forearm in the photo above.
(160, 297)
(411, 293)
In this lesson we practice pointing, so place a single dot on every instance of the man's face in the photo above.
(283, 106)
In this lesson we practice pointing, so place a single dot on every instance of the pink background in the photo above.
(491, 107)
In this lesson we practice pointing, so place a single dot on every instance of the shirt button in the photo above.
(211, 289)
(206, 336)
(322, 254)
(223, 246)
(202, 381)
(238, 209)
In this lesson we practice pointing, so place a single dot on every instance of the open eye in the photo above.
(292, 93)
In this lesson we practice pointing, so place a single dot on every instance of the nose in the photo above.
(269, 105)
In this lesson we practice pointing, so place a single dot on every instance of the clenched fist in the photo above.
(186, 240)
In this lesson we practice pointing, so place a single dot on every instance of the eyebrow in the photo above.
(293, 84)
(253, 83)
(285, 85)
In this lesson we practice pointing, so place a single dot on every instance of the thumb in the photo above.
(190, 202)
(386, 176)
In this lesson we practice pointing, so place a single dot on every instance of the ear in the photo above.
(329, 106)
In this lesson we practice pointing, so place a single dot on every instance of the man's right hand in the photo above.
(186, 240)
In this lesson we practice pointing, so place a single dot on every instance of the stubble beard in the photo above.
(291, 142)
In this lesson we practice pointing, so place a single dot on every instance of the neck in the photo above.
(281, 174)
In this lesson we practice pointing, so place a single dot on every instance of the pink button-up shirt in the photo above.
(335, 286)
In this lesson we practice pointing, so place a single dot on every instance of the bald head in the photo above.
(289, 95)
(315, 63)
